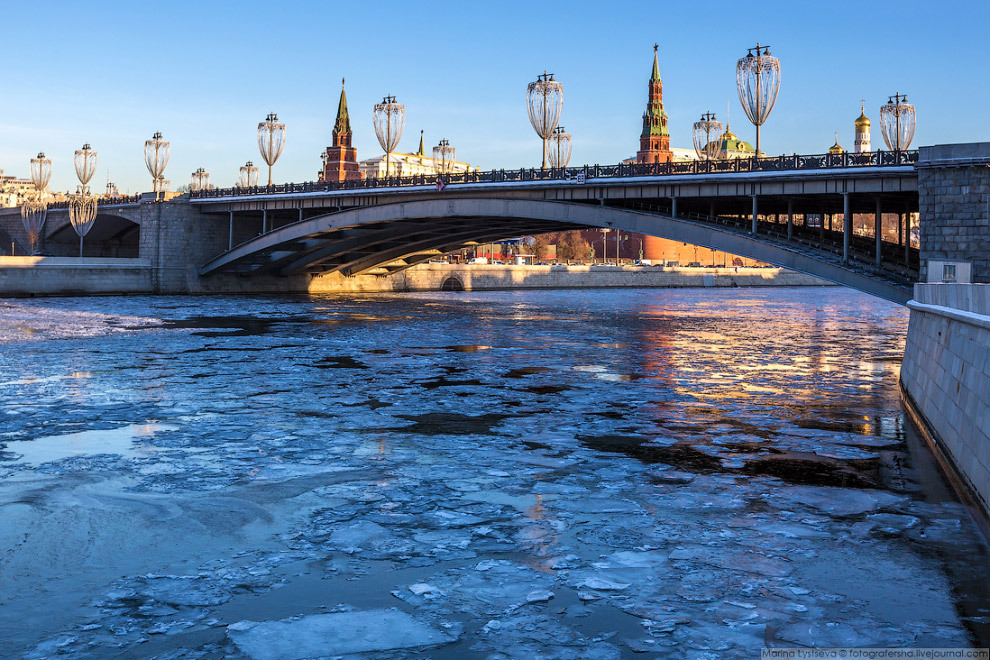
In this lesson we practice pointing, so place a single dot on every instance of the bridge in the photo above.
(744, 207)
(793, 211)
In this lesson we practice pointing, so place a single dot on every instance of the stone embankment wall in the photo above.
(59, 276)
(946, 377)
(480, 277)
(26, 276)
(954, 200)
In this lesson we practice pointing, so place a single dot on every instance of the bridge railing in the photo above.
(101, 201)
(579, 174)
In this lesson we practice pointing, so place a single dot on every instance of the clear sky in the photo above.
(205, 73)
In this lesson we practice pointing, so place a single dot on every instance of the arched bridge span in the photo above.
(385, 238)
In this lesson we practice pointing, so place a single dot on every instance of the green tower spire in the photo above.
(343, 124)
(654, 119)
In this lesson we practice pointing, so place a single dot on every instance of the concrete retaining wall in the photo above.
(21, 276)
(51, 276)
(946, 375)
(432, 277)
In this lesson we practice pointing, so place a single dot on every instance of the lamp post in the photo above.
(82, 206)
(247, 177)
(706, 133)
(897, 122)
(200, 180)
(544, 102)
(35, 210)
(389, 117)
(271, 141)
(156, 152)
(758, 81)
(443, 157)
(560, 148)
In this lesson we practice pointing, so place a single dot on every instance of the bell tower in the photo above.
(654, 141)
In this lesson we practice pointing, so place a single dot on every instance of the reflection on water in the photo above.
(689, 473)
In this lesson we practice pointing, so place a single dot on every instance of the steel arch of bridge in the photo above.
(389, 237)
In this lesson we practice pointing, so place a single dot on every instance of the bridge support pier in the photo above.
(878, 234)
(673, 207)
(847, 227)
(753, 226)
(790, 218)
(230, 232)
(264, 221)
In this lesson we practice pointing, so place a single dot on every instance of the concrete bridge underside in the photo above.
(382, 239)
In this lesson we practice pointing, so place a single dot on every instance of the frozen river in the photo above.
(552, 474)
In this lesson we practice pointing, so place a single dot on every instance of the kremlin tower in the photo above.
(654, 141)
(862, 124)
(340, 159)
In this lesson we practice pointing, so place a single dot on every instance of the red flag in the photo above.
(440, 184)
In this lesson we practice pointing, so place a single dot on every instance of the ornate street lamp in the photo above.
(443, 157)
(389, 118)
(200, 180)
(248, 176)
(271, 141)
(707, 135)
(82, 206)
(758, 81)
(544, 102)
(41, 171)
(560, 148)
(85, 162)
(35, 210)
(156, 152)
(897, 122)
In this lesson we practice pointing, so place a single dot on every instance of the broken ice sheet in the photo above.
(340, 633)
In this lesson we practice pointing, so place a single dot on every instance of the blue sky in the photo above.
(206, 73)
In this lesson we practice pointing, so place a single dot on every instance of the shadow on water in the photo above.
(338, 362)
(451, 423)
(242, 326)
(792, 467)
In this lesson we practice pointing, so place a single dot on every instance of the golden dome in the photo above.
(836, 148)
(863, 121)
(729, 135)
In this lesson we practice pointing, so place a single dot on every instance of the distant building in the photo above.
(862, 126)
(401, 164)
(340, 158)
(654, 141)
(13, 190)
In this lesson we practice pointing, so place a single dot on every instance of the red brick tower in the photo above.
(340, 159)
(654, 141)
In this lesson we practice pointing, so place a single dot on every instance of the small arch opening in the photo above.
(452, 283)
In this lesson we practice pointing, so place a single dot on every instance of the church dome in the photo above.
(863, 121)
(836, 148)
(731, 144)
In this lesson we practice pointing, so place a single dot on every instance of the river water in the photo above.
(554, 474)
